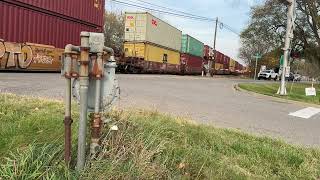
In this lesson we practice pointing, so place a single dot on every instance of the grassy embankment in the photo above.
(295, 91)
(148, 145)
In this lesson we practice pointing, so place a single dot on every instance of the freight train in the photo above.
(154, 46)
(36, 42)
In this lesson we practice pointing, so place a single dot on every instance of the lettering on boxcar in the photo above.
(25, 58)
(21, 56)
(14, 55)
(43, 56)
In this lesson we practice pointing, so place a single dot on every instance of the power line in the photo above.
(174, 13)
(161, 11)
(177, 11)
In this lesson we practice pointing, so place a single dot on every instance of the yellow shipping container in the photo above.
(151, 53)
(232, 65)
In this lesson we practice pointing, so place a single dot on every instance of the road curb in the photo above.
(238, 88)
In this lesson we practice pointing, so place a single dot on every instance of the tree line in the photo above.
(266, 30)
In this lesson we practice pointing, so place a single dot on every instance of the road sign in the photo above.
(257, 56)
(311, 91)
(281, 60)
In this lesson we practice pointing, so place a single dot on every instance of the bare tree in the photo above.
(114, 31)
(266, 31)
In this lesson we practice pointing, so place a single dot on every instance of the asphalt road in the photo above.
(212, 101)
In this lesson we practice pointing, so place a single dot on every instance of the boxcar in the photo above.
(52, 23)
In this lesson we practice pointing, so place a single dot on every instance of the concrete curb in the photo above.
(289, 101)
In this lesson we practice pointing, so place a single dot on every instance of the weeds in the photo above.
(147, 145)
(36, 162)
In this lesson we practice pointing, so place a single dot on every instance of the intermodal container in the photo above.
(192, 64)
(218, 67)
(238, 67)
(144, 27)
(89, 12)
(208, 52)
(232, 65)
(151, 52)
(226, 62)
(21, 23)
(219, 57)
(192, 46)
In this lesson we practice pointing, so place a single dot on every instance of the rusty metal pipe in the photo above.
(67, 123)
(96, 122)
(67, 119)
(69, 48)
(84, 84)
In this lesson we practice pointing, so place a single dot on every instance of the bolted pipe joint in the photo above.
(69, 48)
(69, 63)
(97, 67)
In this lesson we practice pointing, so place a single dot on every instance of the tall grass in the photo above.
(147, 145)
(36, 162)
(150, 145)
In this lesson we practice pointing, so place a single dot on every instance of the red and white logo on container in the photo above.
(130, 17)
(154, 22)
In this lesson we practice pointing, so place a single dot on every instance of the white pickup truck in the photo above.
(268, 74)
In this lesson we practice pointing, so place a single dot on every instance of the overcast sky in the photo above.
(234, 13)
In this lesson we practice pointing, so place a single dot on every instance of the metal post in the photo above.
(255, 69)
(84, 83)
(214, 49)
(286, 48)
(257, 56)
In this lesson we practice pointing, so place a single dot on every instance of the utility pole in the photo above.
(257, 56)
(214, 49)
(286, 49)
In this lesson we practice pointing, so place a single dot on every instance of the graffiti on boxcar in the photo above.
(43, 56)
(21, 56)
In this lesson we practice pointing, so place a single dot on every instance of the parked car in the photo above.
(293, 77)
(268, 74)
(290, 78)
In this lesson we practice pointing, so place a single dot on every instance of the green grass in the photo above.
(295, 91)
(148, 145)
